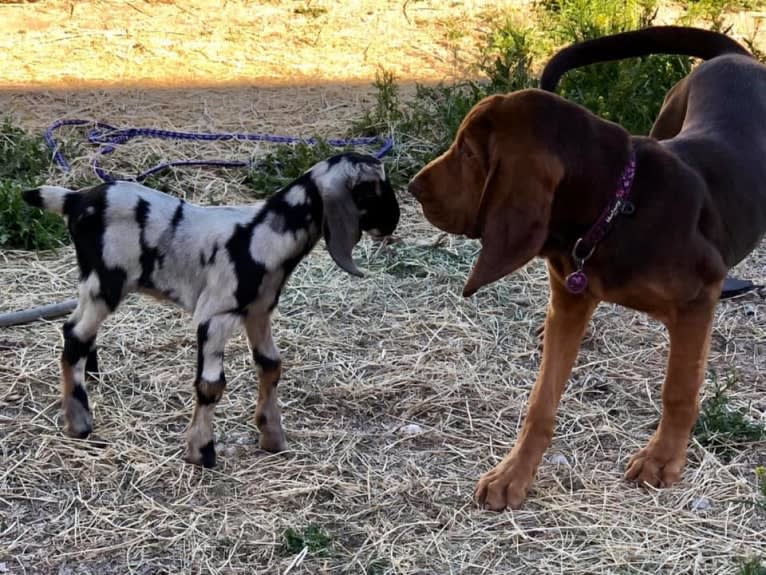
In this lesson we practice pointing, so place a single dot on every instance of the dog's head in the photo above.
(495, 182)
(357, 196)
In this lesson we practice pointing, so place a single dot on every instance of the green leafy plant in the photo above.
(753, 566)
(760, 479)
(722, 428)
(311, 537)
(24, 163)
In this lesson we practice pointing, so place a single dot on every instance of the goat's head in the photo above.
(357, 197)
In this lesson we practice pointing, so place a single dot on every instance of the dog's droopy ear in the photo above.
(342, 230)
(514, 214)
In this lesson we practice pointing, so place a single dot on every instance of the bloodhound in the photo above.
(650, 223)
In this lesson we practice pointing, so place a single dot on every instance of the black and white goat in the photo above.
(226, 265)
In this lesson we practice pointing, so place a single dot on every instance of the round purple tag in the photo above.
(576, 282)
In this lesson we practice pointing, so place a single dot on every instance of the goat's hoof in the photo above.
(203, 456)
(78, 433)
(78, 421)
(273, 442)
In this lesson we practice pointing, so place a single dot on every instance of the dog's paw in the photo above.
(656, 468)
(504, 486)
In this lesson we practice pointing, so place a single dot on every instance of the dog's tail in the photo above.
(53, 198)
(655, 40)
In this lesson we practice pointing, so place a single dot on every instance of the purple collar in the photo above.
(577, 281)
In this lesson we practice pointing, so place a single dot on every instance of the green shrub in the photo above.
(24, 164)
(628, 92)
(721, 428)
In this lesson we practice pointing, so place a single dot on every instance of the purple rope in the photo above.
(108, 138)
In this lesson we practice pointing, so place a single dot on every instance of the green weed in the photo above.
(721, 428)
(753, 566)
(312, 537)
(24, 163)
(760, 479)
(628, 92)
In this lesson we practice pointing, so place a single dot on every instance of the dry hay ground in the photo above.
(363, 359)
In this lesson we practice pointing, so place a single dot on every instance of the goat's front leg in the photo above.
(79, 347)
(212, 336)
(266, 358)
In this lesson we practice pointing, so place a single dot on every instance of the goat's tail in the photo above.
(53, 198)
(679, 40)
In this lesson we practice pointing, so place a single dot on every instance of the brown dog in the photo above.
(532, 174)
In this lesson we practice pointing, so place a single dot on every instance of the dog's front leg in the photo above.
(506, 485)
(661, 462)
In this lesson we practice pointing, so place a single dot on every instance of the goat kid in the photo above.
(226, 265)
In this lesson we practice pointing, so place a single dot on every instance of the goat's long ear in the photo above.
(513, 217)
(341, 230)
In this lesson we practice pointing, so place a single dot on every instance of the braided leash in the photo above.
(108, 138)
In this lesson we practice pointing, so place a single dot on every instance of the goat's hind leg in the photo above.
(79, 350)
(266, 358)
(209, 385)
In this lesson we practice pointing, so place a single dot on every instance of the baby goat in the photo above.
(226, 265)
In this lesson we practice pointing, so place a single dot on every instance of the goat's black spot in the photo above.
(91, 364)
(202, 330)
(75, 349)
(249, 272)
(86, 226)
(150, 256)
(261, 420)
(208, 260)
(71, 204)
(297, 218)
(201, 387)
(112, 281)
(78, 392)
(178, 216)
(266, 363)
(207, 452)
(33, 197)
(142, 213)
(378, 205)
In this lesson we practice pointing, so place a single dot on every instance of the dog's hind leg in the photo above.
(661, 462)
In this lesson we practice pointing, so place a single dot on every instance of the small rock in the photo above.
(559, 459)
(701, 504)
(3, 567)
(410, 429)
